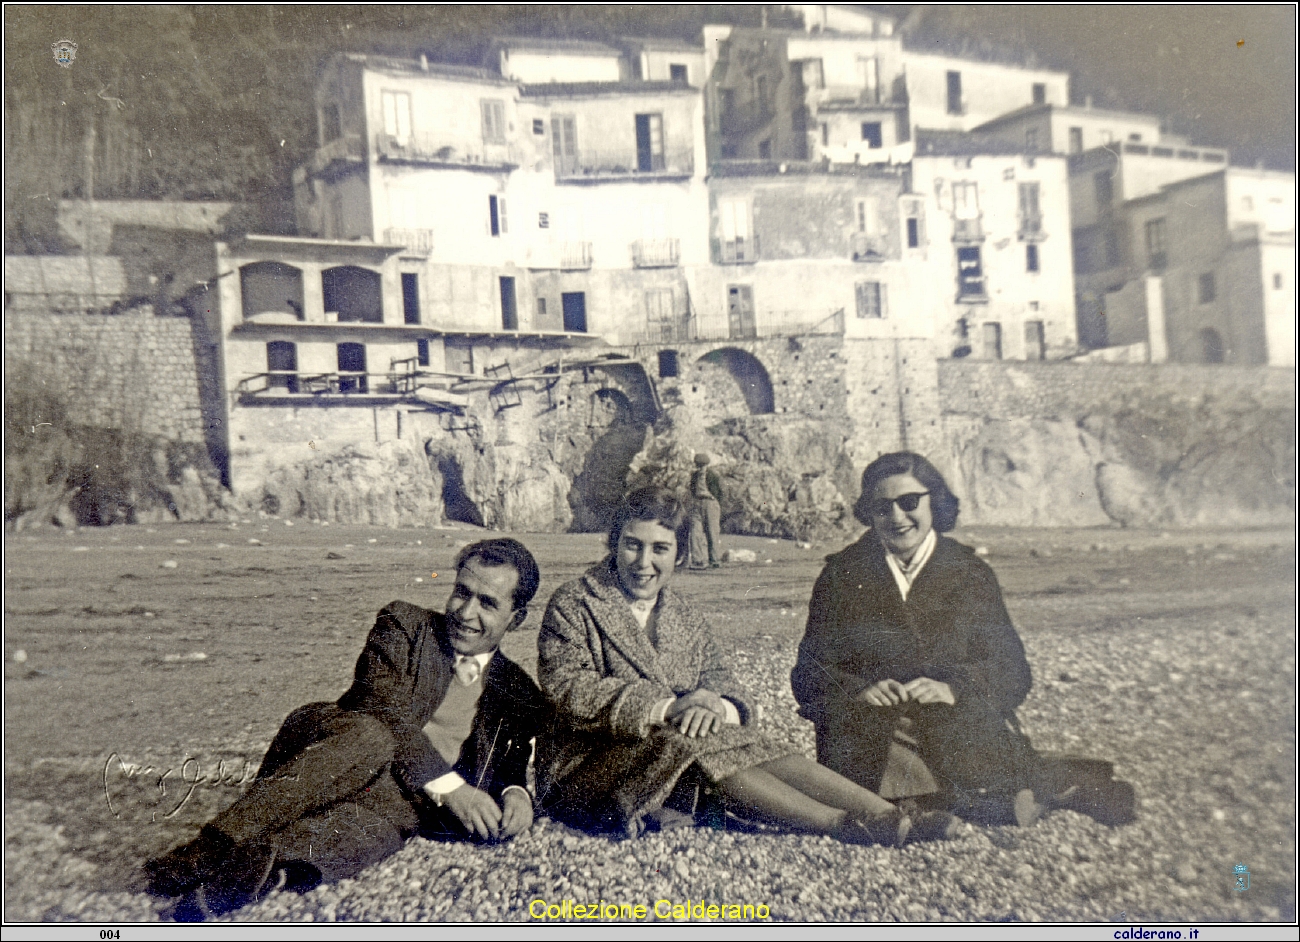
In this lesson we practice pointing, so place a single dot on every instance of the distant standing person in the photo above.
(706, 515)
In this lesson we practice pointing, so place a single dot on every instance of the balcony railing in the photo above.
(332, 156)
(1031, 228)
(435, 150)
(575, 256)
(656, 253)
(739, 251)
(598, 164)
(866, 248)
(967, 230)
(341, 383)
(763, 323)
(415, 241)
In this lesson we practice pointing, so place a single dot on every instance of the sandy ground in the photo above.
(146, 670)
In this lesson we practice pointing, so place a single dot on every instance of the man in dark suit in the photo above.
(434, 736)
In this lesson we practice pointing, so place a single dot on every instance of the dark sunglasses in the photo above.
(906, 502)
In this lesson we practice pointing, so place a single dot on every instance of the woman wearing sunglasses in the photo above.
(907, 633)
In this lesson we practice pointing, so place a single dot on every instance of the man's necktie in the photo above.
(467, 671)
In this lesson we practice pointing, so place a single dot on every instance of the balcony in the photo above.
(1031, 229)
(656, 253)
(738, 251)
(591, 166)
(414, 241)
(866, 248)
(428, 150)
(968, 230)
(277, 384)
(337, 156)
(575, 256)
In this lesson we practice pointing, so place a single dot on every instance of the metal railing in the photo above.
(656, 253)
(339, 383)
(968, 230)
(765, 323)
(1031, 227)
(739, 251)
(346, 149)
(625, 163)
(413, 240)
(575, 256)
(866, 248)
(430, 149)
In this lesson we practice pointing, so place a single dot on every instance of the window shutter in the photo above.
(501, 211)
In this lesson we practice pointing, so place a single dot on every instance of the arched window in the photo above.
(271, 288)
(354, 294)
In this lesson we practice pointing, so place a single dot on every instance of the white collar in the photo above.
(905, 573)
(481, 658)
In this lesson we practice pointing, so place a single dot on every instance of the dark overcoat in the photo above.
(604, 677)
(401, 679)
(953, 627)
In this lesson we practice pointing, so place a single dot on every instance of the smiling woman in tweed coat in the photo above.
(645, 703)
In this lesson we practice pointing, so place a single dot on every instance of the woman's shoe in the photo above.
(933, 826)
(889, 829)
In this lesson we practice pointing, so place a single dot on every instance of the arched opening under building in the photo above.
(354, 294)
(619, 433)
(750, 376)
(1211, 346)
(456, 504)
(271, 288)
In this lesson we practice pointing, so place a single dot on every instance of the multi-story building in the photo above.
(1206, 270)
(994, 224)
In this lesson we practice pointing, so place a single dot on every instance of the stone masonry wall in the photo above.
(131, 371)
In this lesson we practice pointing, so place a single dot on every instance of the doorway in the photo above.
(574, 304)
(740, 311)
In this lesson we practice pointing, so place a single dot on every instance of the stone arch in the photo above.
(271, 288)
(355, 294)
(609, 407)
(456, 502)
(1211, 346)
(750, 375)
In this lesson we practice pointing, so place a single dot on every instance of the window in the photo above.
(869, 72)
(422, 353)
(760, 93)
(494, 121)
(1035, 345)
(870, 297)
(497, 215)
(564, 143)
(913, 212)
(543, 220)
(267, 287)
(733, 217)
(1031, 140)
(867, 216)
(992, 341)
(353, 294)
(765, 149)
(1031, 257)
(331, 127)
(1103, 185)
(649, 142)
(970, 273)
(574, 304)
(1136, 138)
(282, 362)
(1040, 93)
(411, 297)
(1031, 219)
(1277, 281)
(913, 233)
(668, 366)
(659, 314)
(1206, 290)
(677, 72)
(740, 312)
(965, 200)
(509, 310)
(726, 102)
(871, 134)
(1157, 250)
(826, 134)
(397, 115)
(539, 127)
(814, 74)
(954, 93)
(541, 310)
(352, 367)
(1076, 140)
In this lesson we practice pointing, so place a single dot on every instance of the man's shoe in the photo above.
(933, 826)
(181, 870)
(246, 876)
(889, 829)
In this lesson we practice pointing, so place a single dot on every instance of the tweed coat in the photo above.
(604, 677)
(402, 677)
(953, 627)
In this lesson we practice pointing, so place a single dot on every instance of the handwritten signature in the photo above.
(189, 776)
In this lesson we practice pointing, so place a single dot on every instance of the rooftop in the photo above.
(580, 47)
(575, 89)
(427, 67)
(1065, 109)
(944, 143)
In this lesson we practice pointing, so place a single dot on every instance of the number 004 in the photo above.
(110, 933)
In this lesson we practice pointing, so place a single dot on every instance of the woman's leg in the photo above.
(825, 786)
(780, 803)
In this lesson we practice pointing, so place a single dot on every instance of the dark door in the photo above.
(509, 312)
(677, 73)
(282, 359)
(575, 311)
(954, 93)
(649, 142)
(352, 368)
(411, 297)
(740, 311)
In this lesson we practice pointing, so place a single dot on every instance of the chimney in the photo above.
(424, 63)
